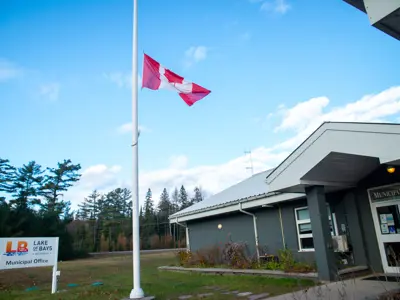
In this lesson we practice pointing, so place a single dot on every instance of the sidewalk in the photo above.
(352, 289)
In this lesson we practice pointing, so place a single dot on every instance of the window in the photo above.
(304, 231)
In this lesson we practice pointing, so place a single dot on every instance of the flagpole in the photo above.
(137, 291)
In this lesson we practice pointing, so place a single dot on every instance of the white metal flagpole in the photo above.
(137, 291)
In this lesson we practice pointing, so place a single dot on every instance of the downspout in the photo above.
(255, 228)
(283, 234)
(187, 234)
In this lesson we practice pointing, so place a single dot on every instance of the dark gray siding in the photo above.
(290, 231)
(238, 227)
(378, 178)
(269, 230)
(353, 210)
(204, 233)
(353, 216)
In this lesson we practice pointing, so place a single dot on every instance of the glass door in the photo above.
(387, 225)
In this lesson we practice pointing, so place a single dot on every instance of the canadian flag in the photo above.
(155, 77)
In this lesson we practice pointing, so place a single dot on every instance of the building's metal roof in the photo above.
(359, 4)
(251, 187)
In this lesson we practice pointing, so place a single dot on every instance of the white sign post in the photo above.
(18, 253)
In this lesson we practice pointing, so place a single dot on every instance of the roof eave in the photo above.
(193, 212)
(229, 207)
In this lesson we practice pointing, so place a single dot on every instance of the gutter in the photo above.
(229, 203)
(187, 234)
(255, 229)
(282, 232)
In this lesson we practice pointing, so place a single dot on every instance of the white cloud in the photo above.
(178, 162)
(9, 70)
(122, 79)
(98, 177)
(195, 54)
(274, 6)
(301, 119)
(50, 91)
(127, 128)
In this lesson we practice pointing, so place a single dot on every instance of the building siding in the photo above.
(204, 233)
(238, 227)
(290, 231)
(378, 178)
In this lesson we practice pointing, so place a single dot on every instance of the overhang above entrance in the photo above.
(337, 156)
(382, 14)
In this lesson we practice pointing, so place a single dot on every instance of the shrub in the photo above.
(183, 257)
(234, 254)
(299, 267)
(272, 265)
(286, 259)
(155, 242)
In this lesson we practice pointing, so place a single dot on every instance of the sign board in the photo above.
(30, 252)
(385, 193)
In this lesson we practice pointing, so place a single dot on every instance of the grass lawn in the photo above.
(116, 274)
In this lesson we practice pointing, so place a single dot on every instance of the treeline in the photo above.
(32, 204)
(104, 221)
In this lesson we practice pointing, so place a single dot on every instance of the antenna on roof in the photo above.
(251, 163)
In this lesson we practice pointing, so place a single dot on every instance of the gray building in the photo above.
(382, 14)
(335, 196)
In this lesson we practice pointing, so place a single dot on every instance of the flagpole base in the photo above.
(142, 298)
(138, 294)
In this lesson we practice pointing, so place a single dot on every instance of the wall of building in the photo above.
(290, 230)
(204, 233)
(347, 205)
(378, 178)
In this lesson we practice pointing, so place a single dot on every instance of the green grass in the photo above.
(116, 274)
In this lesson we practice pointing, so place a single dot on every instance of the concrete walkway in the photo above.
(352, 289)
(219, 271)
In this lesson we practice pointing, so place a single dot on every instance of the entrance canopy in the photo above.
(382, 14)
(337, 156)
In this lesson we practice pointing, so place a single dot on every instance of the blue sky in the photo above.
(65, 84)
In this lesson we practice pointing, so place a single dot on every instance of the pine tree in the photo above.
(198, 196)
(148, 205)
(164, 205)
(26, 186)
(92, 209)
(91, 206)
(164, 210)
(183, 198)
(6, 175)
(175, 201)
(149, 219)
(58, 180)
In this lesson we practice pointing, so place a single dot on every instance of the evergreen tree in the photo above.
(68, 214)
(164, 205)
(164, 210)
(175, 201)
(183, 198)
(26, 186)
(91, 206)
(198, 196)
(148, 205)
(149, 219)
(6, 227)
(6, 175)
(57, 181)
